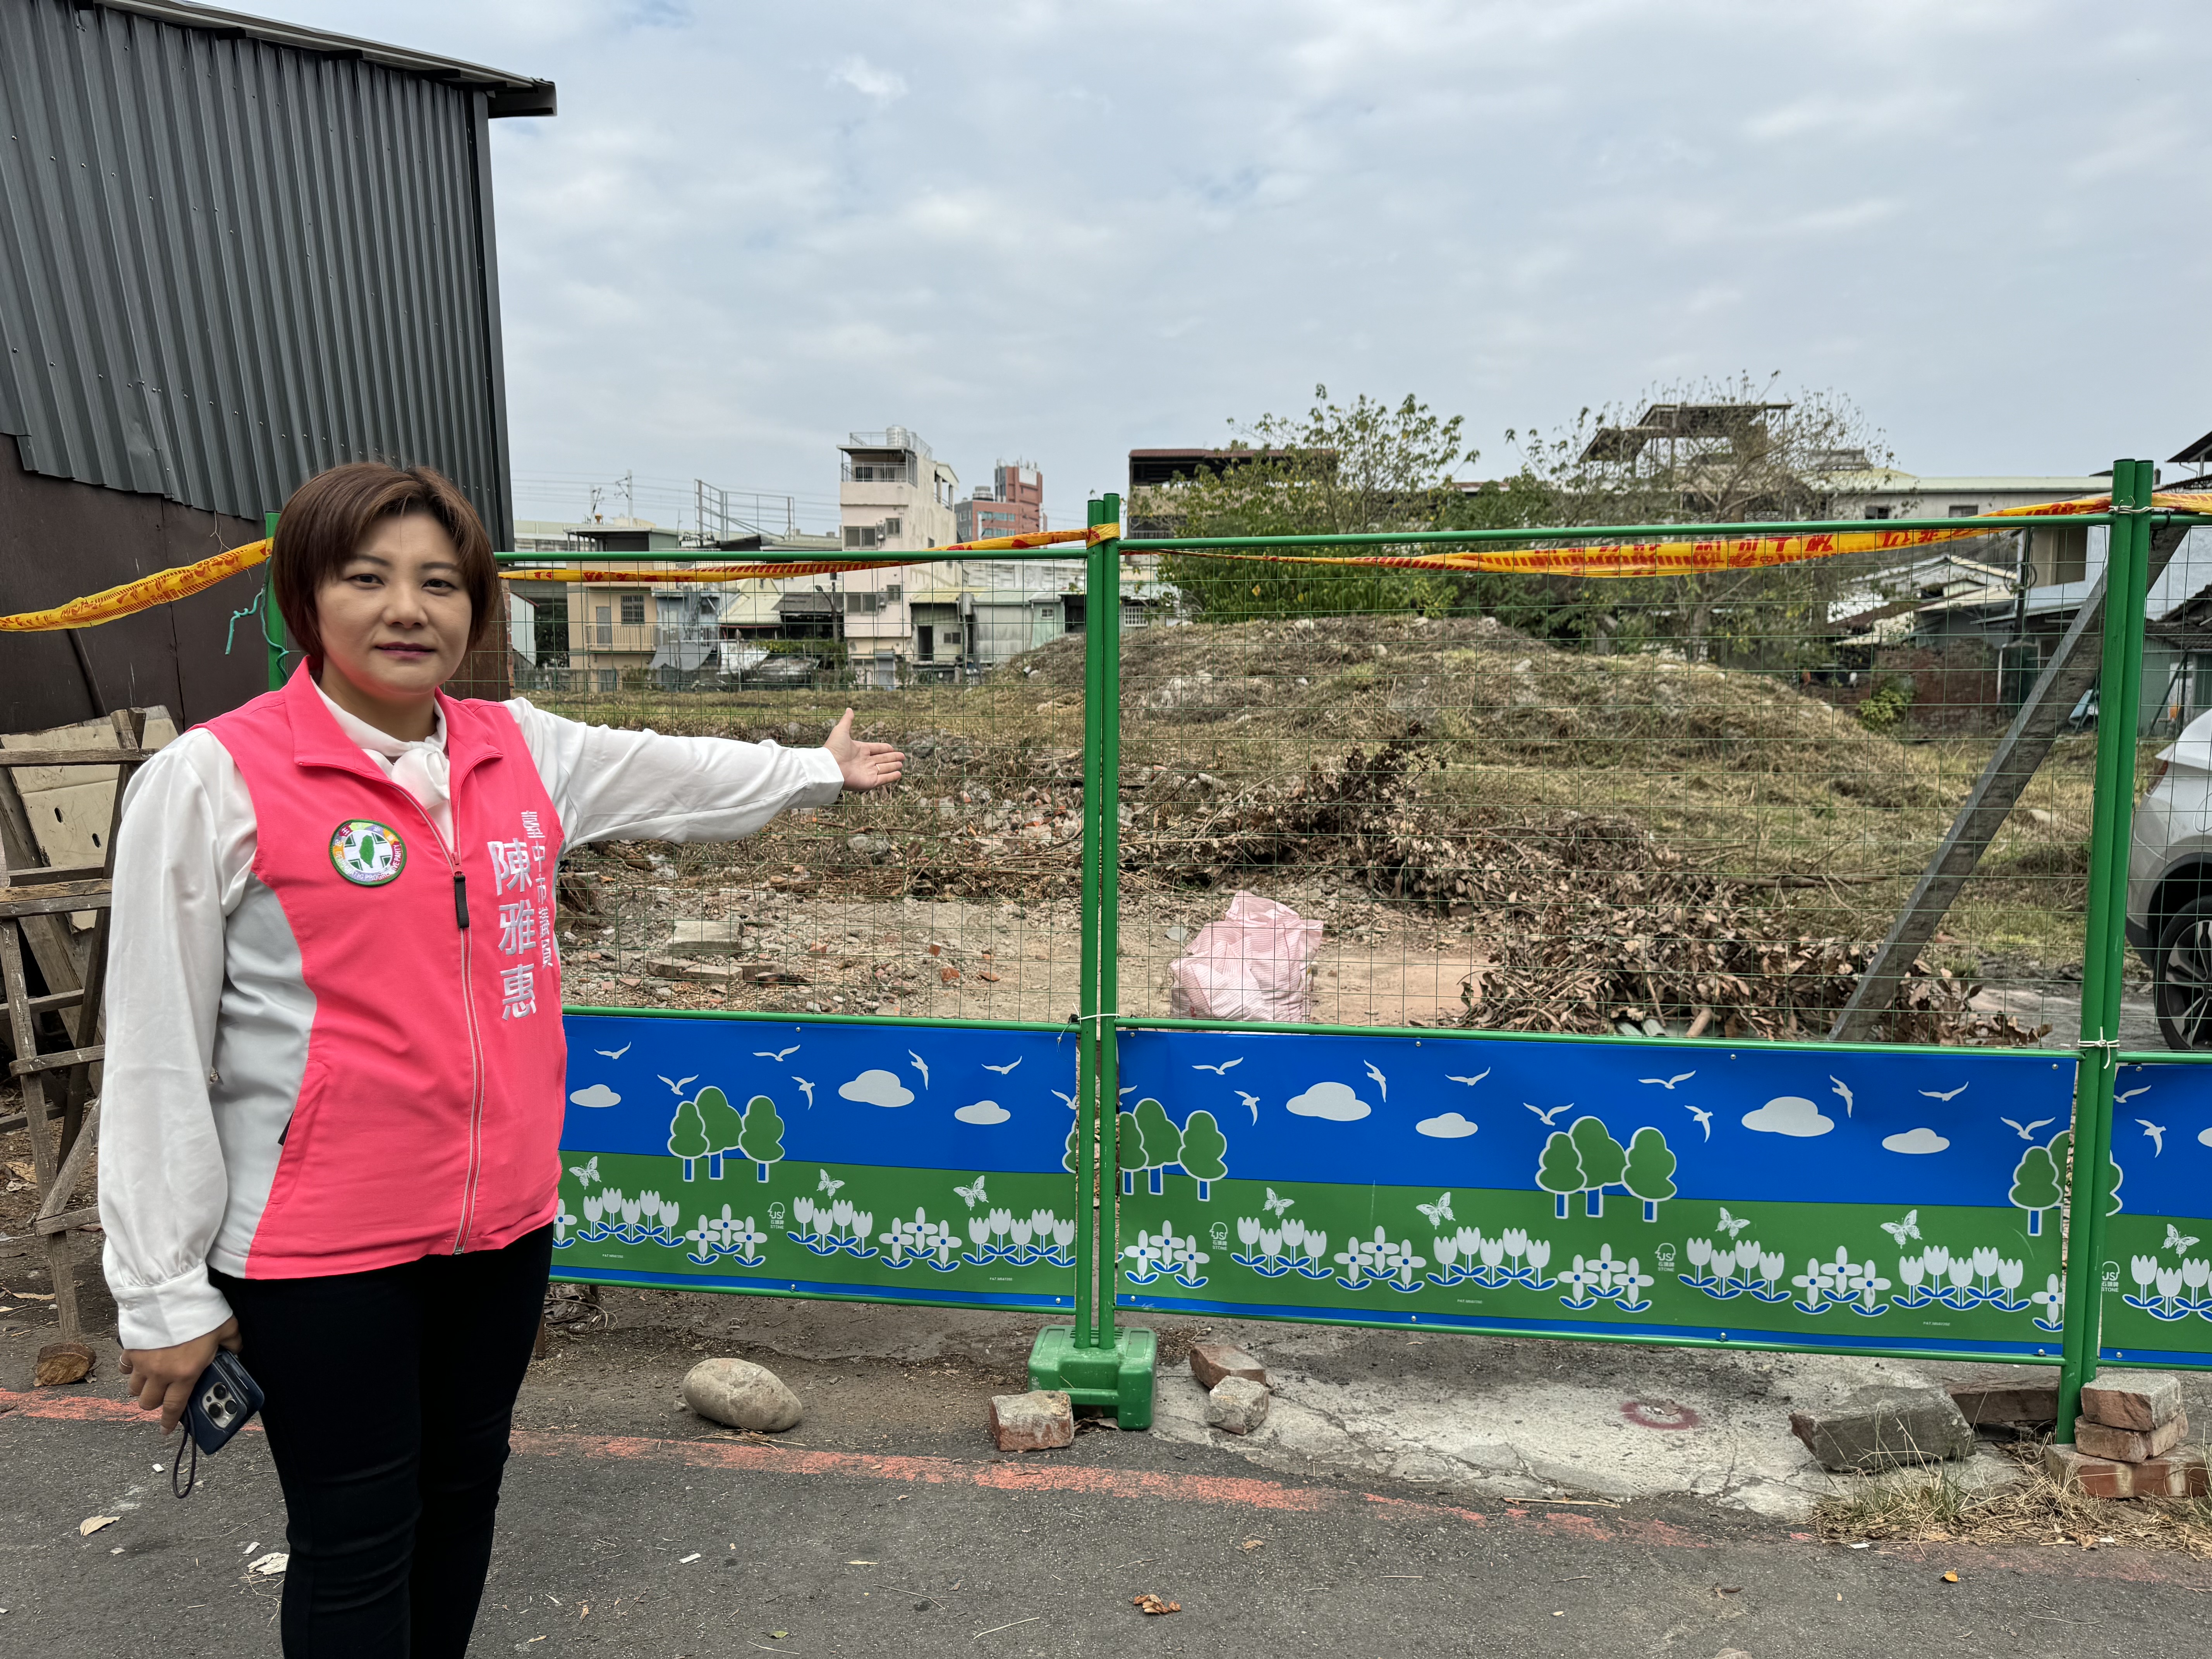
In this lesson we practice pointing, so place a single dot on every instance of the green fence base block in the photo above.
(1119, 1378)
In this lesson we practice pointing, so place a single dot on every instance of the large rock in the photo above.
(2133, 1399)
(1885, 1429)
(742, 1394)
(1211, 1361)
(2129, 1445)
(1236, 1405)
(1037, 1421)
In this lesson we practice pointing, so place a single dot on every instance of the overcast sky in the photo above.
(1061, 231)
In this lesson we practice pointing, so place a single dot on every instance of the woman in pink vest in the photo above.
(333, 1093)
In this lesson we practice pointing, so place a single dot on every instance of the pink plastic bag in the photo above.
(1256, 963)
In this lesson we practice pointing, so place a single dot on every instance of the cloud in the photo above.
(1789, 1115)
(1450, 1126)
(883, 86)
(597, 1094)
(1915, 1140)
(1335, 1101)
(983, 1111)
(2205, 1139)
(876, 1088)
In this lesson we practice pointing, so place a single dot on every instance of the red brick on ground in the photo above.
(2129, 1445)
(2180, 1474)
(2132, 1399)
(1211, 1361)
(1038, 1421)
(2006, 1402)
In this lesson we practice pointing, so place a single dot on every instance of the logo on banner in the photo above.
(367, 854)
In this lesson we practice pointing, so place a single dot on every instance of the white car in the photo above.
(2170, 887)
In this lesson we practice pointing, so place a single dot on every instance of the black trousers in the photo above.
(389, 1394)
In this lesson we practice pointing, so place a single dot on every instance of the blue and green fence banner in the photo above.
(888, 1162)
(2157, 1270)
(1844, 1200)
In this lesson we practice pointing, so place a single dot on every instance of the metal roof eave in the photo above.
(511, 93)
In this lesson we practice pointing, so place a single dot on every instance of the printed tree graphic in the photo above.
(1163, 1141)
(687, 1135)
(723, 1126)
(1604, 1160)
(1203, 1145)
(1129, 1150)
(2035, 1185)
(1650, 1172)
(2061, 1159)
(1560, 1171)
(761, 1138)
(1067, 1157)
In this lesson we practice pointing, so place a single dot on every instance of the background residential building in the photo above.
(1012, 504)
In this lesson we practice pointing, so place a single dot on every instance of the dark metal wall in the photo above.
(226, 264)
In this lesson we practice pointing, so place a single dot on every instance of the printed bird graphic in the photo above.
(1381, 1082)
(617, 1054)
(1221, 1070)
(1841, 1089)
(921, 1066)
(1003, 1070)
(2026, 1131)
(1469, 1081)
(779, 1055)
(2157, 1134)
(1947, 1094)
(825, 1185)
(2122, 1100)
(677, 1083)
(586, 1172)
(1548, 1116)
(1731, 1225)
(1901, 1231)
(806, 1089)
(1067, 1100)
(1275, 1205)
(2176, 1240)
(1705, 1119)
(1438, 1212)
(1126, 1089)
(1252, 1100)
(1668, 1083)
(972, 1195)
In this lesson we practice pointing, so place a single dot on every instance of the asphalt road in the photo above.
(699, 1543)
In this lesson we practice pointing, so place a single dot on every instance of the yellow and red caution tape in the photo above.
(734, 573)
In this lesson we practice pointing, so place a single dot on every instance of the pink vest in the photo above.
(429, 1115)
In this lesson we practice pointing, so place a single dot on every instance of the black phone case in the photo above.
(223, 1398)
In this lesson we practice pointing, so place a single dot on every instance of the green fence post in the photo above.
(2105, 944)
(272, 619)
(1093, 1362)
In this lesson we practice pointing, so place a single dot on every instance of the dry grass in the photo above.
(1935, 1505)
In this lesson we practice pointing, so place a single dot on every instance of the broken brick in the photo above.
(2132, 1399)
(2129, 1445)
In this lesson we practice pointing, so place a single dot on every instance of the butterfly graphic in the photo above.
(1275, 1205)
(1003, 1070)
(975, 1195)
(779, 1055)
(617, 1054)
(1901, 1231)
(588, 1171)
(2176, 1240)
(826, 1185)
(1438, 1212)
(1732, 1225)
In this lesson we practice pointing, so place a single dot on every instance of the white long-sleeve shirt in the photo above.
(203, 985)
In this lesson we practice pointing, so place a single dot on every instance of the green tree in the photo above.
(1603, 1158)
(2035, 1186)
(1560, 1171)
(1129, 1150)
(722, 1124)
(687, 1135)
(1203, 1145)
(1163, 1141)
(1649, 1174)
(762, 1137)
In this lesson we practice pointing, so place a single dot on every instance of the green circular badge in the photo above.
(367, 854)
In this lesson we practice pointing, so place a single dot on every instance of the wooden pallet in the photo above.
(58, 1081)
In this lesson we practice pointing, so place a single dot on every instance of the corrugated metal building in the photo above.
(233, 253)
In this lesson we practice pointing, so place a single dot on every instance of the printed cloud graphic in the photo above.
(1789, 1115)
(983, 1111)
(1916, 1140)
(1335, 1101)
(1452, 1126)
(2205, 1139)
(597, 1094)
(876, 1088)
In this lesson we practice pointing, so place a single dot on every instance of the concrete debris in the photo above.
(2130, 1445)
(1040, 1420)
(742, 1394)
(697, 937)
(2133, 1399)
(874, 848)
(1236, 1405)
(2025, 1405)
(1885, 1429)
(2182, 1474)
(1211, 1361)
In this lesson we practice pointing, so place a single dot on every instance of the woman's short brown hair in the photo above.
(330, 515)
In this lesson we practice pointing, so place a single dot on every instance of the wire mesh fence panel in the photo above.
(1665, 806)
